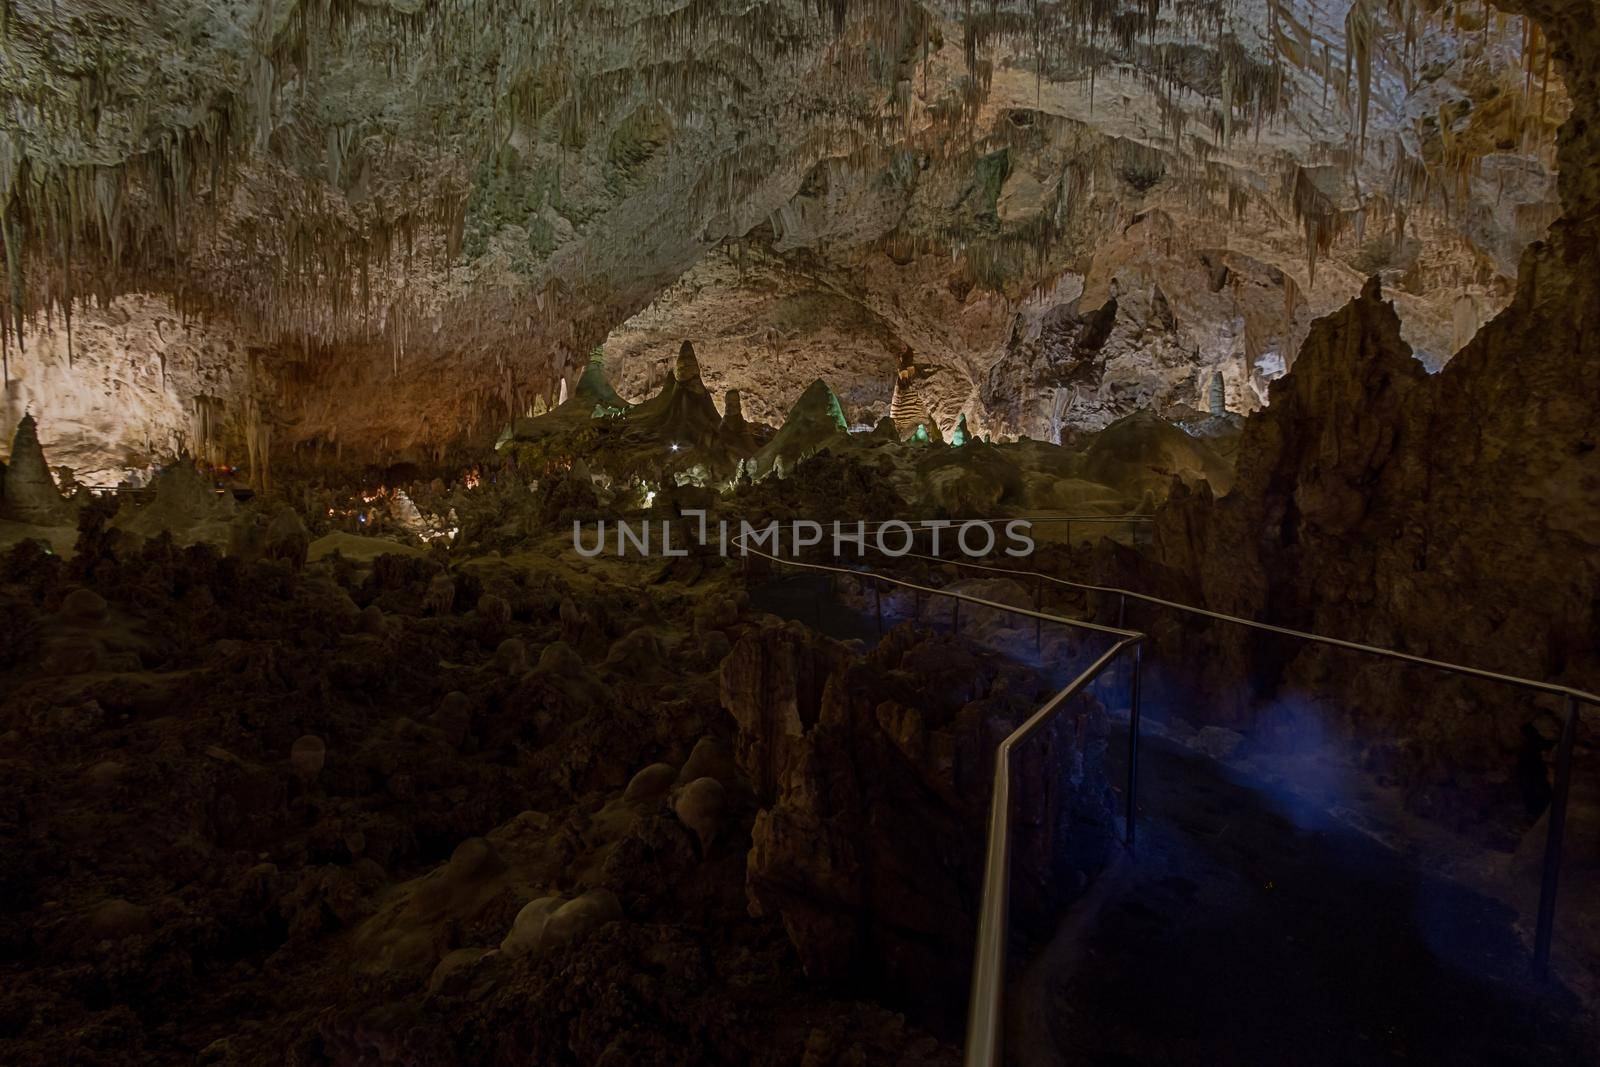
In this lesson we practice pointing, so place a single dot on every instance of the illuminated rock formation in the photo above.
(815, 422)
(909, 412)
(27, 492)
(471, 273)
(682, 414)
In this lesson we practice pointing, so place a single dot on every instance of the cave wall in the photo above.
(1454, 516)
(138, 383)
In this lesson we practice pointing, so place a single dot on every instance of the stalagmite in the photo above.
(534, 707)
(28, 492)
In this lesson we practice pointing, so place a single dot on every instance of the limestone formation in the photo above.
(494, 613)
(325, 738)
(183, 503)
(307, 756)
(826, 738)
(1144, 453)
(527, 932)
(682, 414)
(287, 538)
(701, 807)
(511, 656)
(28, 493)
(651, 784)
(737, 436)
(579, 917)
(441, 596)
(85, 607)
(814, 423)
(907, 410)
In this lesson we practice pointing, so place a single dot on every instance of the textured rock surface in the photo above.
(1452, 516)
(320, 790)
(874, 777)
(28, 491)
(141, 384)
(1364, 507)
(427, 252)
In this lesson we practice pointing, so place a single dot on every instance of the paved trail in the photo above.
(1246, 933)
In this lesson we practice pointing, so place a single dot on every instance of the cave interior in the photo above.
(815, 532)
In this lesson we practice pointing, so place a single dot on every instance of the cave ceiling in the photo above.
(458, 200)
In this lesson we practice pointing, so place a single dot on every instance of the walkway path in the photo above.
(1251, 929)
(1247, 933)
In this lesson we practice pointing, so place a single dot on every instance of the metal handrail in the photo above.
(1079, 624)
(984, 1021)
(1552, 688)
(984, 1016)
(1574, 699)
(984, 1029)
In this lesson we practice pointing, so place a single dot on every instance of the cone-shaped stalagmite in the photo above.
(815, 421)
(593, 398)
(593, 387)
(736, 434)
(30, 494)
(682, 413)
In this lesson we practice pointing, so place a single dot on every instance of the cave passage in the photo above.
(418, 418)
(1255, 929)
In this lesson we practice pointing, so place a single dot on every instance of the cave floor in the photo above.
(1251, 929)
(1255, 927)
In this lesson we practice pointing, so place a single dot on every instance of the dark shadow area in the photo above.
(808, 597)
(1244, 936)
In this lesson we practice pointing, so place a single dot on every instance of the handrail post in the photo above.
(1122, 608)
(989, 956)
(877, 593)
(1038, 605)
(1553, 842)
(1133, 743)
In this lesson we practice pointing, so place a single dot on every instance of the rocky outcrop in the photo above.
(1142, 453)
(874, 775)
(1453, 516)
(27, 491)
(815, 422)
(737, 436)
(682, 413)
(184, 504)
(139, 383)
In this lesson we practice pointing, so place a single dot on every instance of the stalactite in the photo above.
(140, 202)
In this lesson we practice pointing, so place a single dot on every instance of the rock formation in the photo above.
(815, 422)
(28, 493)
(182, 503)
(961, 227)
(682, 414)
(874, 777)
(444, 786)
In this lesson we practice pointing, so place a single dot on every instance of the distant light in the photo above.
(674, 447)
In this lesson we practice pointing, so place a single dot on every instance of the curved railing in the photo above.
(984, 1019)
